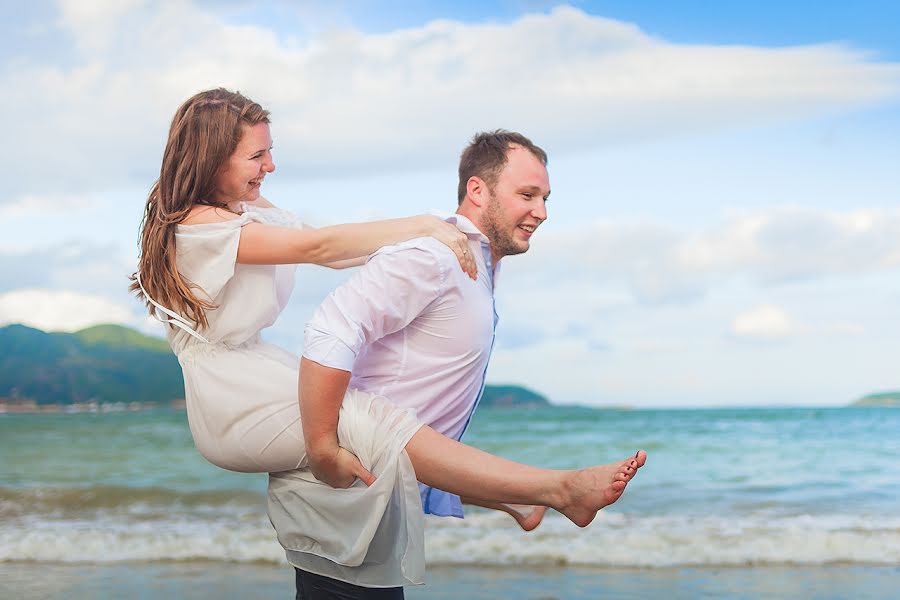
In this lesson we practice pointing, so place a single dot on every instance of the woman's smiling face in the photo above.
(242, 174)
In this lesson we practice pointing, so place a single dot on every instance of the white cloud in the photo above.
(37, 206)
(77, 265)
(349, 102)
(766, 322)
(659, 264)
(61, 310)
(628, 310)
(555, 368)
(94, 21)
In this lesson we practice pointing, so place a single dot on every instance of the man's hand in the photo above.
(321, 392)
(339, 468)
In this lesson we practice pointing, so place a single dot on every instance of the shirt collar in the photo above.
(468, 227)
(464, 225)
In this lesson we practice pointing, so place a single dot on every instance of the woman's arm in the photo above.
(265, 245)
(336, 247)
(347, 264)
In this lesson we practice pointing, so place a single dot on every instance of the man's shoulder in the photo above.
(421, 263)
(421, 249)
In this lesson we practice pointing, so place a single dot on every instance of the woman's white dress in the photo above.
(243, 411)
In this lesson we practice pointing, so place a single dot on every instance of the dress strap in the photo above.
(176, 320)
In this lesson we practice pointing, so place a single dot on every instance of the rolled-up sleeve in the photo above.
(396, 285)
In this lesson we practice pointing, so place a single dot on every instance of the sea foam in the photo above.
(481, 539)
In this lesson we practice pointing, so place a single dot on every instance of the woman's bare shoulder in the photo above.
(261, 202)
(202, 215)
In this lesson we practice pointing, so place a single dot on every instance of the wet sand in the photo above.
(225, 581)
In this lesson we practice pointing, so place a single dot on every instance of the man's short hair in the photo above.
(485, 157)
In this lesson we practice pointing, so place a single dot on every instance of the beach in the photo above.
(733, 503)
(165, 581)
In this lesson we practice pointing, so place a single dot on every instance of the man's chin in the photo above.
(520, 248)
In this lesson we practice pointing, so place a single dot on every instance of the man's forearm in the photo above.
(321, 393)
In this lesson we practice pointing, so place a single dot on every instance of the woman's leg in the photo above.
(444, 463)
(486, 479)
(528, 516)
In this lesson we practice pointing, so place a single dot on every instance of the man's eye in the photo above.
(528, 195)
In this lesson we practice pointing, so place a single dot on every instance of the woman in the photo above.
(217, 259)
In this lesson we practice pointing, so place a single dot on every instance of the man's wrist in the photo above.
(322, 452)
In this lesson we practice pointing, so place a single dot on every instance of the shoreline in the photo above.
(159, 581)
(30, 407)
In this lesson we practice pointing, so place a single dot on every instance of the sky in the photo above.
(724, 227)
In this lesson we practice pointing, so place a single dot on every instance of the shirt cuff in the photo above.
(327, 350)
(440, 503)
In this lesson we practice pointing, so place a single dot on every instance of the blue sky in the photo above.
(867, 23)
(724, 225)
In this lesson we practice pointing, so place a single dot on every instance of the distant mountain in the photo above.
(880, 399)
(106, 363)
(511, 396)
(111, 363)
(123, 337)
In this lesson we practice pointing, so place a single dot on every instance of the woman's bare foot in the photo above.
(528, 517)
(588, 490)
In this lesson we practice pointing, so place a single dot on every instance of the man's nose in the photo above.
(540, 210)
(269, 164)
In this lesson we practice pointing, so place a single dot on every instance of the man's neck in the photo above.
(474, 217)
(466, 211)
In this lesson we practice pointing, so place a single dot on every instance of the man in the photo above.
(412, 326)
(502, 192)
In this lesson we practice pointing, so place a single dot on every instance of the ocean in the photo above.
(733, 503)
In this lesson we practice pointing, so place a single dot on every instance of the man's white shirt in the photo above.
(412, 326)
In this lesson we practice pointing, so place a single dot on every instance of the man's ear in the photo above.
(476, 190)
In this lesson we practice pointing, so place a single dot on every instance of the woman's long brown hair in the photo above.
(204, 134)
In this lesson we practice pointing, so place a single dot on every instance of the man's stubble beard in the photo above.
(499, 231)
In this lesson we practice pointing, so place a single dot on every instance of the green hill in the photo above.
(880, 399)
(123, 337)
(110, 363)
(511, 396)
(107, 363)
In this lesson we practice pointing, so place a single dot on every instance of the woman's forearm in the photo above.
(347, 263)
(355, 240)
(266, 245)
(263, 244)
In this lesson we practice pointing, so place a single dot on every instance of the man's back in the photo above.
(416, 328)
(413, 327)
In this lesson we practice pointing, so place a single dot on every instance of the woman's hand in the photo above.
(449, 235)
(339, 468)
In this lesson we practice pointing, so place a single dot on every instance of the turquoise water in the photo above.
(728, 488)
